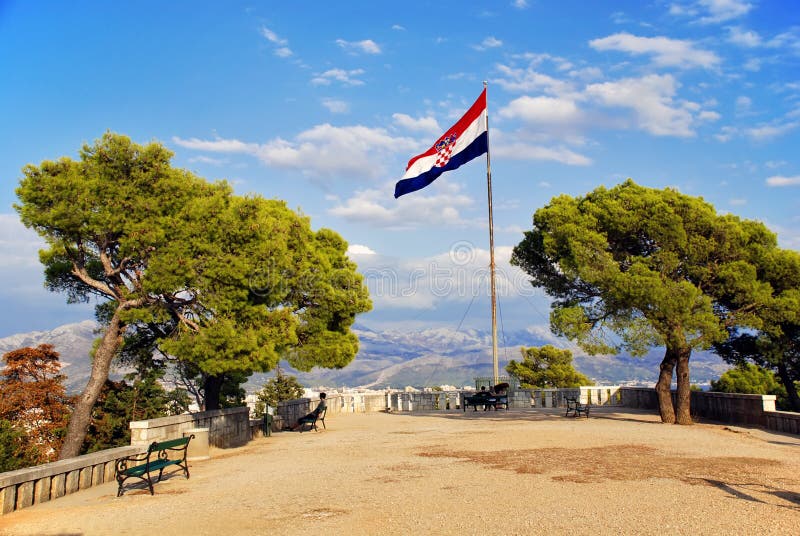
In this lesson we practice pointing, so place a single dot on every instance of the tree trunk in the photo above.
(81, 416)
(788, 382)
(663, 387)
(684, 395)
(212, 388)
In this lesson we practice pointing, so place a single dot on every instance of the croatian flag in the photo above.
(467, 139)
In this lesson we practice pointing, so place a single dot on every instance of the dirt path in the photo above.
(475, 473)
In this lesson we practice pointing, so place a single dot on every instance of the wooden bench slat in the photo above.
(172, 443)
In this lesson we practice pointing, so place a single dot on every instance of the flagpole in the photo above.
(491, 247)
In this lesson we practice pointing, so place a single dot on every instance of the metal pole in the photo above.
(491, 247)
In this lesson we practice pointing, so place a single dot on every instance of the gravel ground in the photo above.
(459, 473)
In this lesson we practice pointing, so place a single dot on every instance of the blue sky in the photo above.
(322, 104)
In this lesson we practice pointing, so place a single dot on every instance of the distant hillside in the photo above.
(443, 356)
(394, 358)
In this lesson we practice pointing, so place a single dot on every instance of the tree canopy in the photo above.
(230, 284)
(751, 379)
(776, 344)
(633, 267)
(267, 288)
(546, 366)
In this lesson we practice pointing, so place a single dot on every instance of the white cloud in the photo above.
(788, 237)
(542, 110)
(666, 52)
(774, 164)
(520, 150)
(650, 98)
(768, 132)
(421, 124)
(324, 150)
(778, 181)
(19, 246)
(723, 10)
(678, 10)
(726, 133)
(208, 160)
(28, 304)
(789, 40)
(744, 38)
(708, 115)
(282, 49)
(367, 46)
(336, 106)
(520, 4)
(586, 73)
(489, 42)
(359, 249)
(272, 37)
(530, 81)
(218, 145)
(752, 64)
(451, 278)
(438, 204)
(346, 78)
(743, 104)
(737, 202)
(398, 27)
(711, 11)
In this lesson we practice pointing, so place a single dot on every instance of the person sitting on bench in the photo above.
(311, 417)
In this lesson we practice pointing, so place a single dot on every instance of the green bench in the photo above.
(158, 457)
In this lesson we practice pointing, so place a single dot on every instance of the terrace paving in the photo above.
(515, 472)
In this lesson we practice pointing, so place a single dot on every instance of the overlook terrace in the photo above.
(522, 471)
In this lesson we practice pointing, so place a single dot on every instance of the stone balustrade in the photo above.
(597, 395)
(25, 487)
(42, 483)
(291, 410)
(424, 401)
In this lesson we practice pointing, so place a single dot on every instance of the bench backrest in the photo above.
(170, 443)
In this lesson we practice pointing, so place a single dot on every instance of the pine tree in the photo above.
(278, 389)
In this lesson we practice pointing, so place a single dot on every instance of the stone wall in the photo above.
(227, 428)
(42, 483)
(783, 421)
(639, 397)
(734, 408)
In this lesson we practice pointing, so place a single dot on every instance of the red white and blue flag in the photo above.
(467, 139)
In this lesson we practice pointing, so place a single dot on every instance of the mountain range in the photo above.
(393, 358)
